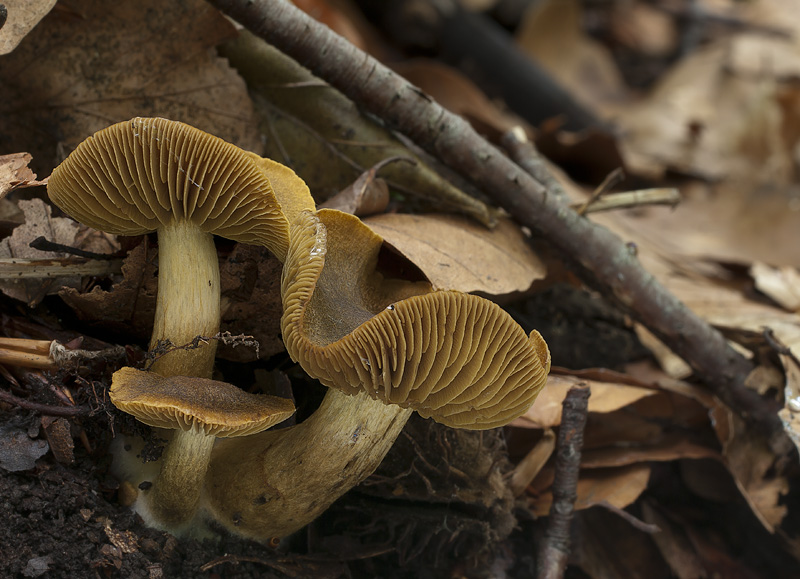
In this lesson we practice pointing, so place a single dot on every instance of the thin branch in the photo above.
(554, 550)
(67, 411)
(21, 268)
(524, 153)
(43, 244)
(612, 179)
(629, 199)
(604, 257)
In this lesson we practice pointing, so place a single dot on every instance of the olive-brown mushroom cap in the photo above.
(187, 403)
(457, 358)
(135, 176)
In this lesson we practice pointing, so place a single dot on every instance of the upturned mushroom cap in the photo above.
(135, 176)
(457, 358)
(188, 403)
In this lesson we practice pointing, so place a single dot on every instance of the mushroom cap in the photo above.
(457, 358)
(187, 403)
(137, 175)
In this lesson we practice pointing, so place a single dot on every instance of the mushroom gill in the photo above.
(153, 174)
(385, 347)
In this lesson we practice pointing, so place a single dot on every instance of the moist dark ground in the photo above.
(437, 507)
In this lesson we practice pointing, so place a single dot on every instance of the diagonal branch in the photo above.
(604, 258)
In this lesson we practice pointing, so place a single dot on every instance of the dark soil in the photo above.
(437, 507)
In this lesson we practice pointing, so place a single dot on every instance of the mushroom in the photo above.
(198, 410)
(385, 348)
(152, 174)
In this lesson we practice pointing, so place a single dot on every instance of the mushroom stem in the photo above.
(188, 303)
(274, 483)
(187, 306)
(173, 499)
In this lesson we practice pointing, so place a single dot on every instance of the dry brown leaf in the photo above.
(456, 253)
(648, 373)
(644, 29)
(22, 16)
(751, 463)
(606, 397)
(129, 305)
(39, 222)
(366, 196)
(59, 436)
(782, 284)
(14, 173)
(790, 413)
(675, 547)
(672, 364)
(459, 94)
(673, 447)
(621, 427)
(718, 113)
(551, 34)
(719, 562)
(532, 463)
(85, 69)
(617, 486)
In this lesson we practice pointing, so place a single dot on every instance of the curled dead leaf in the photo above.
(14, 173)
(455, 253)
(606, 397)
(617, 486)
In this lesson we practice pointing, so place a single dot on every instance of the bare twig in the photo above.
(638, 524)
(43, 244)
(19, 268)
(523, 152)
(628, 199)
(606, 260)
(43, 408)
(610, 181)
(554, 549)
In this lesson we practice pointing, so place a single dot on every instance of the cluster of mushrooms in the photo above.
(383, 347)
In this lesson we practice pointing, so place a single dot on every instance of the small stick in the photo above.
(11, 357)
(616, 176)
(554, 549)
(43, 408)
(19, 268)
(628, 199)
(26, 345)
(43, 244)
(524, 153)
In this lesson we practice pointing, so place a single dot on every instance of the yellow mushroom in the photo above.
(152, 174)
(198, 410)
(385, 348)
